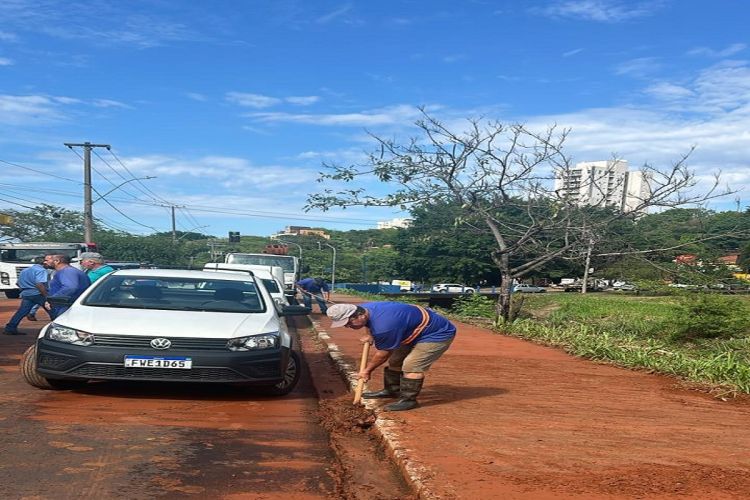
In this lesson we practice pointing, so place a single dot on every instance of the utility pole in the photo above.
(174, 227)
(88, 214)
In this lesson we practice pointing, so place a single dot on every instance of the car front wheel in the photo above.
(291, 377)
(32, 377)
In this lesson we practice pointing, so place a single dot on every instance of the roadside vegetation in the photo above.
(701, 337)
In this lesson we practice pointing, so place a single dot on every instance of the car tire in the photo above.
(470, 290)
(12, 294)
(291, 377)
(32, 377)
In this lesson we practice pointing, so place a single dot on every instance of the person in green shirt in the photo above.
(93, 264)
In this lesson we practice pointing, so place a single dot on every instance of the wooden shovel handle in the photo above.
(362, 366)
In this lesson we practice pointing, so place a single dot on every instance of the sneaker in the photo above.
(31, 317)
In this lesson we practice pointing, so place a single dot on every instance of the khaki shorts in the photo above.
(417, 358)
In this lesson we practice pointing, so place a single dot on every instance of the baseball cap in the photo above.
(340, 314)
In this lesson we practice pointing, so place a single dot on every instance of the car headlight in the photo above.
(61, 333)
(254, 342)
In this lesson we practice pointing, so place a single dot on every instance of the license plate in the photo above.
(158, 362)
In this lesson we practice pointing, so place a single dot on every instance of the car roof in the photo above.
(183, 273)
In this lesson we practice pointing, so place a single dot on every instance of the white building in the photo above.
(603, 183)
(398, 222)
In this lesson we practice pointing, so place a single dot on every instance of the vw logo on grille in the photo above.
(161, 343)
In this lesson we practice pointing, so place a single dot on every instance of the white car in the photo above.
(452, 288)
(168, 325)
(272, 282)
(526, 288)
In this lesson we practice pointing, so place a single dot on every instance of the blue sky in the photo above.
(234, 105)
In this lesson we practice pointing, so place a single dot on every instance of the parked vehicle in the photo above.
(168, 325)
(624, 287)
(289, 263)
(15, 257)
(452, 288)
(526, 288)
(271, 276)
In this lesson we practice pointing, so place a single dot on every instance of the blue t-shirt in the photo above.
(68, 282)
(309, 285)
(393, 322)
(30, 277)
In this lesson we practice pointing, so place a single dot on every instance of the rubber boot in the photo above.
(410, 389)
(391, 385)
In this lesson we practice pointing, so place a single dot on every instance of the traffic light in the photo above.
(234, 236)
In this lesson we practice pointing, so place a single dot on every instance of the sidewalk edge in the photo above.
(415, 473)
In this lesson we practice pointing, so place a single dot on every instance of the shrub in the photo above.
(474, 305)
(707, 316)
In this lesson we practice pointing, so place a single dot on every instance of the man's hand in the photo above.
(364, 375)
(367, 339)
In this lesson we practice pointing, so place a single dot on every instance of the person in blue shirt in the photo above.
(409, 337)
(314, 288)
(33, 284)
(67, 281)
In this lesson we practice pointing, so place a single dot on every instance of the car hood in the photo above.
(154, 322)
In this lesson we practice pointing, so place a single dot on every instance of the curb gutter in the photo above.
(415, 474)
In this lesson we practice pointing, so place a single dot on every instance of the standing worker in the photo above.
(33, 284)
(94, 266)
(410, 338)
(68, 281)
(314, 287)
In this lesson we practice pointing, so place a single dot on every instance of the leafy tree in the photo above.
(45, 223)
(501, 176)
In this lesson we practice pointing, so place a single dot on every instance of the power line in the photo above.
(40, 172)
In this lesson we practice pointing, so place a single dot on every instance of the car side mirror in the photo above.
(60, 300)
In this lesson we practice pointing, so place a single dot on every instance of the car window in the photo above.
(173, 293)
(271, 286)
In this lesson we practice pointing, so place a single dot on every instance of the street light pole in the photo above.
(333, 265)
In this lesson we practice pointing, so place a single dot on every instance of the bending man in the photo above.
(410, 338)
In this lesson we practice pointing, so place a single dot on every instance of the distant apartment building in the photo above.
(398, 222)
(603, 183)
(302, 231)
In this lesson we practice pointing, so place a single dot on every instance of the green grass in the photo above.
(638, 332)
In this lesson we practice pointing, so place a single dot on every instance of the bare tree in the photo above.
(492, 170)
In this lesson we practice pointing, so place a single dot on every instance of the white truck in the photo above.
(15, 257)
(272, 277)
(289, 264)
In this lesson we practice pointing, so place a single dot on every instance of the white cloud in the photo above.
(640, 67)
(21, 109)
(334, 14)
(196, 96)
(726, 52)
(572, 52)
(109, 103)
(302, 100)
(607, 11)
(4, 61)
(252, 100)
(664, 90)
(384, 116)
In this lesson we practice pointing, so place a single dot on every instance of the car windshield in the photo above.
(178, 294)
(271, 286)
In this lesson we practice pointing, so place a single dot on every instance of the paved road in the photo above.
(153, 440)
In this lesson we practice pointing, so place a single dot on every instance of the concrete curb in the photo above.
(415, 473)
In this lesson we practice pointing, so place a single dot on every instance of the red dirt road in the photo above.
(126, 440)
(504, 418)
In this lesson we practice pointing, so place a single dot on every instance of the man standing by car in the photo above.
(314, 287)
(67, 281)
(33, 284)
(94, 266)
(409, 337)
